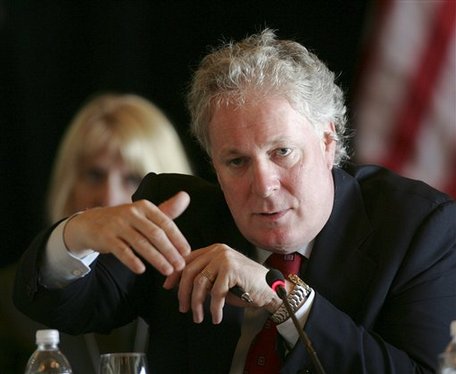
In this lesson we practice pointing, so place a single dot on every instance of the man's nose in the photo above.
(265, 179)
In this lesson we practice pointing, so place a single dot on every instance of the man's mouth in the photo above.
(273, 215)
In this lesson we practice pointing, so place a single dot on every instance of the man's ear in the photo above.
(329, 143)
(329, 133)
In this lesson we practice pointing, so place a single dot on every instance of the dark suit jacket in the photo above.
(383, 268)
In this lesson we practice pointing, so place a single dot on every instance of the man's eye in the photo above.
(236, 162)
(283, 151)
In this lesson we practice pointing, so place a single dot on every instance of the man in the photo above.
(376, 252)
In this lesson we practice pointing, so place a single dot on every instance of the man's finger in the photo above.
(176, 205)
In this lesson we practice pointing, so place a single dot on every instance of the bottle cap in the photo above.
(47, 337)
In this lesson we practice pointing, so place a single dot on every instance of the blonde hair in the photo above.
(124, 124)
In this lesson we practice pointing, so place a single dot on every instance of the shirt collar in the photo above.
(261, 254)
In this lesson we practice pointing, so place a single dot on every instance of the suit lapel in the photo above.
(338, 253)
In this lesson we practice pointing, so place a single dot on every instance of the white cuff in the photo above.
(59, 266)
(288, 330)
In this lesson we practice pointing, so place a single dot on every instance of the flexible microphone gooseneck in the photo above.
(276, 281)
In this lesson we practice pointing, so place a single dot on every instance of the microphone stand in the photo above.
(302, 335)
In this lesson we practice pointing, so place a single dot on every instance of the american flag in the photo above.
(405, 108)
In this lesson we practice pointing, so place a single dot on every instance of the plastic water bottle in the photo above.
(447, 359)
(48, 359)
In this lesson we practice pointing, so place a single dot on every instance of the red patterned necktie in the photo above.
(263, 356)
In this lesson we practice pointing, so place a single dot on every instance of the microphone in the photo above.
(276, 281)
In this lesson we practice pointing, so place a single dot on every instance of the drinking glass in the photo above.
(123, 363)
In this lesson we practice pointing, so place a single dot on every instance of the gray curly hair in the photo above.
(263, 66)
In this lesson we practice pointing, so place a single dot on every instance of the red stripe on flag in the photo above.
(421, 87)
(450, 187)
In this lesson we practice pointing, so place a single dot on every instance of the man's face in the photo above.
(275, 172)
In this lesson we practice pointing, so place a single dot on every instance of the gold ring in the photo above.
(208, 275)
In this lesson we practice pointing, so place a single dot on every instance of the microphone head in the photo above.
(275, 279)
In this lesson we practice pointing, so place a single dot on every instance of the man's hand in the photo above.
(213, 271)
(139, 228)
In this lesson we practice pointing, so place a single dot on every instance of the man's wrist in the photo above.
(82, 253)
(295, 298)
(59, 267)
(274, 304)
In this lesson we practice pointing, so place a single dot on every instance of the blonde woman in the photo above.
(112, 142)
(110, 145)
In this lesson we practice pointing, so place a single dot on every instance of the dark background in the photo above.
(54, 54)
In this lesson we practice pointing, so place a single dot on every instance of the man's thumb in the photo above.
(176, 205)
